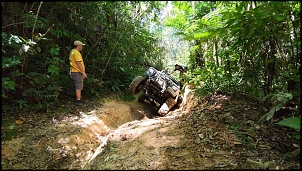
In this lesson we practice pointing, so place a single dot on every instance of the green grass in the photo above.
(128, 97)
(9, 131)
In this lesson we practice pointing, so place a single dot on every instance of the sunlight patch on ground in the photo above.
(87, 132)
(86, 120)
(148, 122)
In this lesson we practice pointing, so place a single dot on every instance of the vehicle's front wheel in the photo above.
(137, 84)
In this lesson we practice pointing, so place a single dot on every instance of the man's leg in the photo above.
(78, 94)
(78, 81)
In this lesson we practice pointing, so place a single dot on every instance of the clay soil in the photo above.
(207, 133)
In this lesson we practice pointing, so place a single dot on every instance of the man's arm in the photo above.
(81, 69)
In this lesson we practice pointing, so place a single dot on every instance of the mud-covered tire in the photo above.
(136, 84)
(171, 102)
(167, 106)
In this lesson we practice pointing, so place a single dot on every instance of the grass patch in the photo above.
(128, 98)
(9, 131)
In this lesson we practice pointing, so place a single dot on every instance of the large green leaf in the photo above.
(282, 97)
(271, 113)
(205, 34)
(293, 122)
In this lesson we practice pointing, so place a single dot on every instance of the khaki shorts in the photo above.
(78, 79)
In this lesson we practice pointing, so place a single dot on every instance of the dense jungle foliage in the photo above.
(245, 47)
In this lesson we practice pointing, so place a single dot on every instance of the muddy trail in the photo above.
(214, 132)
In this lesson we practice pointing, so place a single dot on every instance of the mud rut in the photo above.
(128, 135)
(68, 140)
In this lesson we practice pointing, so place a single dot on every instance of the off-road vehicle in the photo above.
(158, 88)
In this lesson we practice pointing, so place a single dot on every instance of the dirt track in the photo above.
(127, 135)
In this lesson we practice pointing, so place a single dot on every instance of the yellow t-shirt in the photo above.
(74, 56)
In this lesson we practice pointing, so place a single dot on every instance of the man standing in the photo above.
(182, 69)
(77, 69)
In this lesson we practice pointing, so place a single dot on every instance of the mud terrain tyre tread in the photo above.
(135, 85)
(170, 102)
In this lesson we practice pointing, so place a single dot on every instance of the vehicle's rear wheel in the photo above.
(137, 84)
